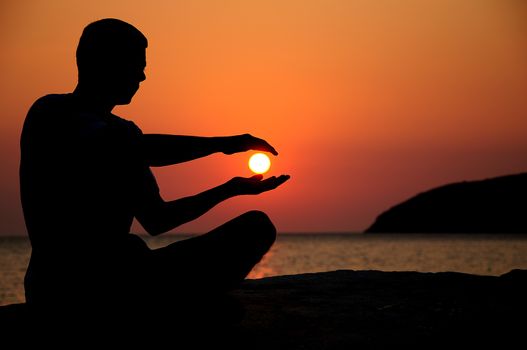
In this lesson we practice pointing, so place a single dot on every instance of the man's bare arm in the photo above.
(162, 150)
(162, 216)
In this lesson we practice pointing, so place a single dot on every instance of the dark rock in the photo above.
(375, 310)
(350, 310)
(496, 205)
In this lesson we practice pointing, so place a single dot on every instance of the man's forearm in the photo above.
(164, 150)
(183, 210)
(163, 216)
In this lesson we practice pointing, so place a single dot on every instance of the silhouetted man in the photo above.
(85, 174)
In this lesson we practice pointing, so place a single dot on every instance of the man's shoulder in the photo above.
(50, 103)
(51, 100)
(43, 119)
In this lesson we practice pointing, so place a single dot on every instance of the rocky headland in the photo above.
(495, 205)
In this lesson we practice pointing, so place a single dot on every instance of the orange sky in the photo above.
(367, 102)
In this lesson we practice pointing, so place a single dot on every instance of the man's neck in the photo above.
(92, 100)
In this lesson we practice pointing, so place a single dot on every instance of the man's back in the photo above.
(81, 176)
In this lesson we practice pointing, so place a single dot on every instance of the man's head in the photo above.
(111, 57)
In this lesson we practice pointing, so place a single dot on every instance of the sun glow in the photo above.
(259, 163)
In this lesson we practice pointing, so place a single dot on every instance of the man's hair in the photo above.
(106, 42)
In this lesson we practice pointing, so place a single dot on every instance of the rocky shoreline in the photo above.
(348, 309)
(374, 309)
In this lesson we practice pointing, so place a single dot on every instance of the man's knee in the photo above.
(261, 227)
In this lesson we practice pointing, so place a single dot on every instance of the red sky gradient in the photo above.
(367, 102)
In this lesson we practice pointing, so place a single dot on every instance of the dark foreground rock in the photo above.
(495, 205)
(357, 310)
(374, 309)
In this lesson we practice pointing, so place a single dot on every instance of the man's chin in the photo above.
(124, 100)
(126, 95)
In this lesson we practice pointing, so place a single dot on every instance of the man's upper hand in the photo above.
(246, 142)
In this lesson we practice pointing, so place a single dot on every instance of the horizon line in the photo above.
(142, 234)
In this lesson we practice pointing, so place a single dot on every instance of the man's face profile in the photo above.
(123, 78)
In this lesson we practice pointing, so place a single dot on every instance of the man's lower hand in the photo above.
(254, 184)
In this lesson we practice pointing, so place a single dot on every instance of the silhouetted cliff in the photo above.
(496, 205)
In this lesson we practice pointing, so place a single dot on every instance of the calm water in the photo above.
(293, 254)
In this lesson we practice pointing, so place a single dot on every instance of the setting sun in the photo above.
(259, 163)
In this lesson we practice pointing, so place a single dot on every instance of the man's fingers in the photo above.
(282, 178)
(272, 150)
(274, 181)
(263, 145)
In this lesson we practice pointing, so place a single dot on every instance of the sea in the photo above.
(297, 253)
